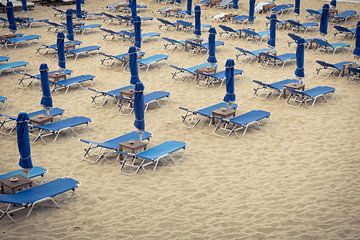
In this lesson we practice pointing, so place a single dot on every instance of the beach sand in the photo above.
(296, 178)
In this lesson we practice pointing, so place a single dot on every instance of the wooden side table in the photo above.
(56, 76)
(132, 147)
(296, 86)
(15, 186)
(223, 113)
(41, 120)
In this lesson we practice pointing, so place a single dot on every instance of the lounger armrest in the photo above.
(185, 109)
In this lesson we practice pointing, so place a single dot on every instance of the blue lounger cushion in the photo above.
(254, 53)
(23, 38)
(163, 149)
(240, 18)
(209, 110)
(75, 43)
(90, 26)
(83, 49)
(318, 91)
(217, 43)
(116, 92)
(2, 99)
(174, 41)
(12, 65)
(249, 117)
(153, 96)
(286, 56)
(34, 172)
(150, 34)
(281, 84)
(282, 7)
(64, 124)
(74, 80)
(4, 58)
(152, 59)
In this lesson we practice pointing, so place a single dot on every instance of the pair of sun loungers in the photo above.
(211, 79)
(246, 33)
(344, 31)
(24, 39)
(324, 46)
(45, 48)
(119, 19)
(333, 68)
(340, 17)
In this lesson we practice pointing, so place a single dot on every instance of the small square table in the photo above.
(127, 93)
(223, 113)
(132, 147)
(56, 76)
(41, 120)
(14, 186)
(206, 70)
(296, 86)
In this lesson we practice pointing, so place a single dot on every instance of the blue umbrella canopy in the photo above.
(178, 1)
(272, 40)
(235, 4)
(230, 86)
(24, 5)
(61, 50)
(188, 7)
(137, 31)
(357, 41)
(46, 100)
(197, 11)
(251, 11)
(139, 108)
(333, 3)
(133, 9)
(299, 72)
(134, 73)
(78, 8)
(22, 134)
(69, 25)
(324, 19)
(10, 16)
(297, 7)
(212, 48)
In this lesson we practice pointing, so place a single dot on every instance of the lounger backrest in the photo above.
(74, 80)
(225, 3)
(161, 150)
(171, 40)
(184, 23)
(346, 14)
(166, 22)
(244, 51)
(325, 64)
(295, 37)
(65, 123)
(226, 28)
(294, 23)
(249, 32)
(312, 11)
(342, 29)
(321, 42)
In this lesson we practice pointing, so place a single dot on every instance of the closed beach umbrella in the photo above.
(357, 41)
(10, 16)
(24, 5)
(137, 31)
(297, 7)
(251, 11)
(69, 25)
(212, 35)
(22, 134)
(230, 86)
(324, 20)
(333, 3)
(46, 100)
(299, 72)
(133, 9)
(197, 31)
(178, 1)
(188, 7)
(134, 73)
(61, 50)
(139, 108)
(272, 40)
(235, 4)
(78, 8)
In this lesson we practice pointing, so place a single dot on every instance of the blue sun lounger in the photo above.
(4, 59)
(20, 40)
(242, 122)
(3, 99)
(336, 67)
(240, 19)
(296, 38)
(173, 42)
(53, 47)
(214, 78)
(325, 46)
(344, 16)
(269, 60)
(55, 128)
(344, 31)
(316, 14)
(310, 95)
(282, 8)
(247, 55)
(224, 4)
(278, 87)
(115, 93)
(127, 104)
(123, 58)
(30, 197)
(229, 31)
(7, 118)
(253, 35)
(112, 34)
(83, 51)
(154, 59)
(12, 66)
(33, 173)
(85, 28)
(28, 22)
(188, 71)
(201, 47)
(152, 156)
(110, 145)
(73, 81)
(165, 23)
(110, 18)
(193, 117)
(297, 26)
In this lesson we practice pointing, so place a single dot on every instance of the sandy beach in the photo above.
(296, 178)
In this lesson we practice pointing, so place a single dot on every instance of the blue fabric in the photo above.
(333, 3)
(230, 87)
(69, 25)
(61, 50)
(46, 100)
(197, 10)
(78, 8)
(299, 72)
(249, 117)
(235, 4)
(272, 40)
(357, 41)
(324, 19)
(64, 124)
(133, 9)
(134, 73)
(24, 5)
(297, 7)
(178, 1)
(36, 171)
(137, 31)
(162, 149)
(212, 35)
(188, 6)
(10, 16)
(139, 108)
(251, 10)
(22, 134)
